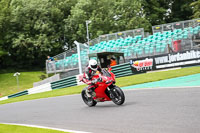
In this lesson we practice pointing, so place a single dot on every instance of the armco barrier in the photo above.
(122, 70)
(66, 82)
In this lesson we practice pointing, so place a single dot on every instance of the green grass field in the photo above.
(123, 81)
(4, 128)
(8, 83)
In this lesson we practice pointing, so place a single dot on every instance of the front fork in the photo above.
(109, 91)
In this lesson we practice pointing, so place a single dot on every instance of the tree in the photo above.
(156, 11)
(107, 16)
(5, 12)
(180, 10)
(167, 11)
(36, 29)
(196, 9)
(130, 15)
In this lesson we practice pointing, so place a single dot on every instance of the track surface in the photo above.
(145, 111)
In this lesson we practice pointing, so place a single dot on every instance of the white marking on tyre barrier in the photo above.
(39, 89)
(58, 129)
(4, 98)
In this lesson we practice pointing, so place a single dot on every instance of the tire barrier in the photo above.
(38, 89)
(19, 94)
(3, 98)
(122, 70)
(66, 82)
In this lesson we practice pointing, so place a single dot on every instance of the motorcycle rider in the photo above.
(91, 69)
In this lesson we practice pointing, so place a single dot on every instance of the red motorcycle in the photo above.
(106, 90)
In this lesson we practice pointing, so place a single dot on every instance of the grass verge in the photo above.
(4, 128)
(123, 81)
(8, 83)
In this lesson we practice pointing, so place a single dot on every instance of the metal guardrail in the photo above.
(175, 25)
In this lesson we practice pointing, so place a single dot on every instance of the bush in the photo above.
(42, 77)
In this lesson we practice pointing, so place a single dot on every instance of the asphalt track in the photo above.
(168, 110)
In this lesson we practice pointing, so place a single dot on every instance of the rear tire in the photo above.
(118, 96)
(88, 100)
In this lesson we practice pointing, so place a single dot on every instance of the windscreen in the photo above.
(106, 73)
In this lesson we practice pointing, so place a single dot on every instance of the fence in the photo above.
(118, 35)
(63, 62)
(83, 51)
(175, 25)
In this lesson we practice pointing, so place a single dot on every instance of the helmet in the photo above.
(93, 64)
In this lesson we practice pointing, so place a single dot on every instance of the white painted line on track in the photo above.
(58, 129)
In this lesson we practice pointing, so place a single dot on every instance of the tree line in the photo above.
(32, 29)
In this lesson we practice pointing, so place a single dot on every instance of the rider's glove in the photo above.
(100, 79)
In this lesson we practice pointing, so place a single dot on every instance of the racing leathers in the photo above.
(88, 75)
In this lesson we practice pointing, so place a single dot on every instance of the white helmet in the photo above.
(93, 64)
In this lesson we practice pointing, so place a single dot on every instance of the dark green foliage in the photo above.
(180, 10)
(31, 30)
(196, 9)
(155, 11)
(42, 77)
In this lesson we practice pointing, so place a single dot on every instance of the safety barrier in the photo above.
(19, 94)
(39, 89)
(47, 80)
(122, 70)
(66, 82)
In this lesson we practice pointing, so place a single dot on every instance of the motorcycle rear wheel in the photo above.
(118, 96)
(88, 100)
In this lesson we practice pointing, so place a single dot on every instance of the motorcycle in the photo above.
(106, 90)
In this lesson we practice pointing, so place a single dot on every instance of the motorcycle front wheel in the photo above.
(118, 96)
(88, 100)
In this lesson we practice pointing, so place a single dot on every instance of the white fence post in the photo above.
(79, 57)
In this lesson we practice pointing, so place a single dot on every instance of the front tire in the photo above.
(88, 100)
(118, 96)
